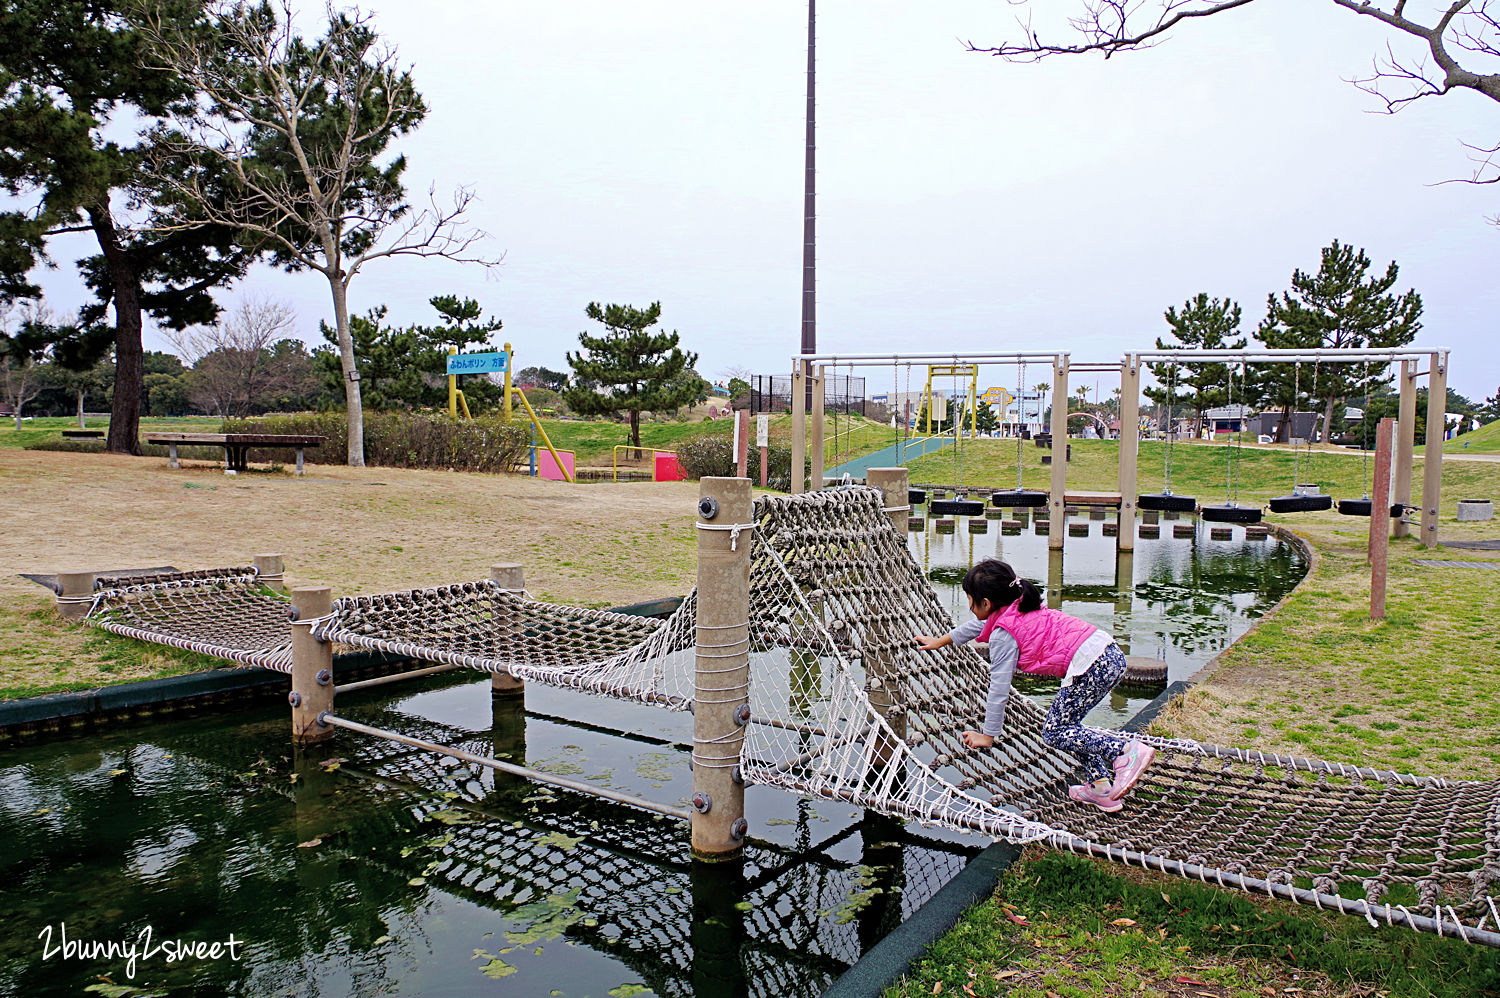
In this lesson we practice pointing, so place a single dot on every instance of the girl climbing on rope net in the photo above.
(1025, 635)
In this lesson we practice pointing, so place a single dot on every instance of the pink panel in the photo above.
(667, 469)
(547, 466)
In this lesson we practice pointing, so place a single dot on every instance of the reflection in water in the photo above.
(1180, 599)
(369, 868)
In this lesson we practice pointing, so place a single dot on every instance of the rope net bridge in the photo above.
(843, 706)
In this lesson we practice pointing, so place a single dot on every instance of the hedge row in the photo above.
(406, 439)
(713, 456)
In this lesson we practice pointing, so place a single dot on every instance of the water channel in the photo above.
(367, 868)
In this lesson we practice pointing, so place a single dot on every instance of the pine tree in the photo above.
(1203, 324)
(72, 91)
(629, 369)
(1338, 307)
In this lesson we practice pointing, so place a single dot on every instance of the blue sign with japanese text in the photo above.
(494, 362)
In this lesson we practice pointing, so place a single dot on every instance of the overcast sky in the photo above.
(653, 151)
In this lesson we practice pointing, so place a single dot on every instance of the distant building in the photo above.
(1226, 419)
(1304, 424)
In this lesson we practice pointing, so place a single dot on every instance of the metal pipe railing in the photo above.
(535, 775)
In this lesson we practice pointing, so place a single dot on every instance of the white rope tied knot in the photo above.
(735, 529)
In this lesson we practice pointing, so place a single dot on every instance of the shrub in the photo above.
(707, 457)
(406, 439)
(713, 456)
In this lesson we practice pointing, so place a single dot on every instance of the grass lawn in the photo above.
(1061, 926)
(43, 428)
(1485, 440)
(594, 440)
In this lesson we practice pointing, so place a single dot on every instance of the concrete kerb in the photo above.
(894, 955)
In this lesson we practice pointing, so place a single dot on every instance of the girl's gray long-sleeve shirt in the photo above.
(1004, 653)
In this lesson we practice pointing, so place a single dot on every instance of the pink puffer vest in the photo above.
(1047, 638)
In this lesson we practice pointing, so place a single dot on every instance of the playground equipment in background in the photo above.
(564, 468)
(1230, 511)
(665, 467)
(1166, 501)
(1305, 496)
(553, 465)
(1020, 496)
(807, 371)
(481, 362)
(956, 372)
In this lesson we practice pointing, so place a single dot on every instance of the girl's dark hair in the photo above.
(996, 581)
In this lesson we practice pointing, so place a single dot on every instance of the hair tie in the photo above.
(1016, 582)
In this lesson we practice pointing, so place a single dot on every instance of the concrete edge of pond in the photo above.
(894, 955)
(1309, 554)
(75, 711)
(78, 710)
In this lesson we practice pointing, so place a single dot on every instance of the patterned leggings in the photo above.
(1064, 729)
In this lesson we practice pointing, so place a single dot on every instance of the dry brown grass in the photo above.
(356, 530)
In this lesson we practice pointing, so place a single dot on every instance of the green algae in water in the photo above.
(557, 840)
(546, 920)
(860, 897)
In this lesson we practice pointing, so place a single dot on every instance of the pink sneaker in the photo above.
(1096, 794)
(1129, 767)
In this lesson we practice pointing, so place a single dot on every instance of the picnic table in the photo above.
(235, 445)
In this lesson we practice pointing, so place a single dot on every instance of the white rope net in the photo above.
(844, 706)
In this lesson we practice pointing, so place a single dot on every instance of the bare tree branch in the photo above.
(1447, 31)
(297, 125)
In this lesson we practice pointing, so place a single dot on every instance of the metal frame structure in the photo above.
(810, 367)
(808, 370)
(1409, 359)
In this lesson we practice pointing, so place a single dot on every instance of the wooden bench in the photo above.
(235, 445)
(76, 434)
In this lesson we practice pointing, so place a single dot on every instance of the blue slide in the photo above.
(896, 454)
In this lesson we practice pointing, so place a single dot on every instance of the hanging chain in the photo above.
(1292, 427)
(1364, 430)
(1171, 434)
(1020, 383)
(1229, 449)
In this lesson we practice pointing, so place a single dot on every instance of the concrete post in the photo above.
(312, 666)
(1380, 518)
(894, 484)
(75, 594)
(270, 571)
(1059, 488)
(1432, 454)
(510, 577)
(721, 705)
(799, 427)
(1406, 435)
(1130, 424)
(815, 446)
